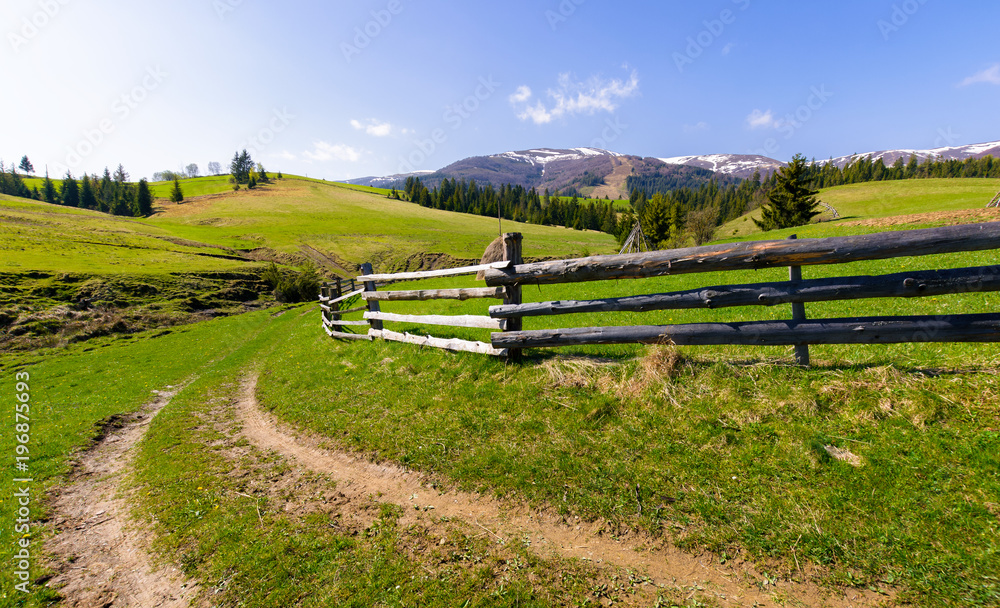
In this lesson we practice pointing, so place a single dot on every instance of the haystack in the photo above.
(494, 253)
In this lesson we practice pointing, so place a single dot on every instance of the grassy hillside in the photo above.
(875, 200)
(876, 469)
(356, 225)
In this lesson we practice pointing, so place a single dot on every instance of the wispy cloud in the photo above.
(990, 75)
(761, 120)
(375, 128)
(695, 128)
(323, 152)
(572, 97)
(728, 48)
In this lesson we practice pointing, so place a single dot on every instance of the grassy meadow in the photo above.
(876, 468)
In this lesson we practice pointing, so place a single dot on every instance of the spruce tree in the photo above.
(791, 202)
(176, 194)
(87, 198)
(123, 201)
(49, 190)
(70, 191)
(657, 220)
(26, 165)
(144, 199)
(106, 193)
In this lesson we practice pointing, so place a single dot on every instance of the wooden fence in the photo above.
(374, 317)
(793, 253)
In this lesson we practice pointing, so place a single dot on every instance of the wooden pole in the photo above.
(512, 293)
(753, 255)
(496, 293)
(918, 284)
(798, 312)
(866, 330)
(373, 305)
(324, 294)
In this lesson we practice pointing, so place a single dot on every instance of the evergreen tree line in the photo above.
(110, 193)
(513, 203)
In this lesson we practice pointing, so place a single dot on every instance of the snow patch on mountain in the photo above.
(738, 165)
(544, 156)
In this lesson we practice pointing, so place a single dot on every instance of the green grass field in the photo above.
(729, 449)
(875, 200)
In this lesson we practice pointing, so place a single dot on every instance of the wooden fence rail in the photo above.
(375, 317)
(505, 279)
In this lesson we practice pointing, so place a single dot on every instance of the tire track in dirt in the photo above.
(100, 560)
(548, 534)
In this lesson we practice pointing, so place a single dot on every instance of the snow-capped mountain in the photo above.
(946, 153)
(389, 181)
(598, 173)
(734, 165)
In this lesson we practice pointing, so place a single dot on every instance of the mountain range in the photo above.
(598, 173)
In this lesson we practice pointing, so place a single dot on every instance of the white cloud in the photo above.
(728, 48)
(571, 97)
(323, 151)
(701, 126)
(761, 120)
(286, 155)
(522, 94)
(373, 127)
(989, 76)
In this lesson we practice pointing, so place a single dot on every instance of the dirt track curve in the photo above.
(666, 565)
(100, 561)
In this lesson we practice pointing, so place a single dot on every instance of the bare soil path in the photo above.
(100, 559)
(547, 533)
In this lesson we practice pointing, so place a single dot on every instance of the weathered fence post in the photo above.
(324, 297)
(373, 305)
(512, 293)
(798, 313)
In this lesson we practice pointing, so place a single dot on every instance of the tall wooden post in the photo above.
(798, 314)
(324, 294)
(373, 306)
(512, 293)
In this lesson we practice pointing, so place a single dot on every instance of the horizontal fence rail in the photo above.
(754, 255)
(865, 330)
(899, 285)
(435, 294)
(431, 274)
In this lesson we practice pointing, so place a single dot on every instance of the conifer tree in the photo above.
(26, 165)
(176, 194)
(106, 196)
(791, 202)
(49, 194)
(144, 199)
(122, 204)
(241, 166)
(87, 198)
(69, 191)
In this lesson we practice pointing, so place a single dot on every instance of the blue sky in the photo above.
(338, 90)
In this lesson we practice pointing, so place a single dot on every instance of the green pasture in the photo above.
(876, 468)
(874, 200)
